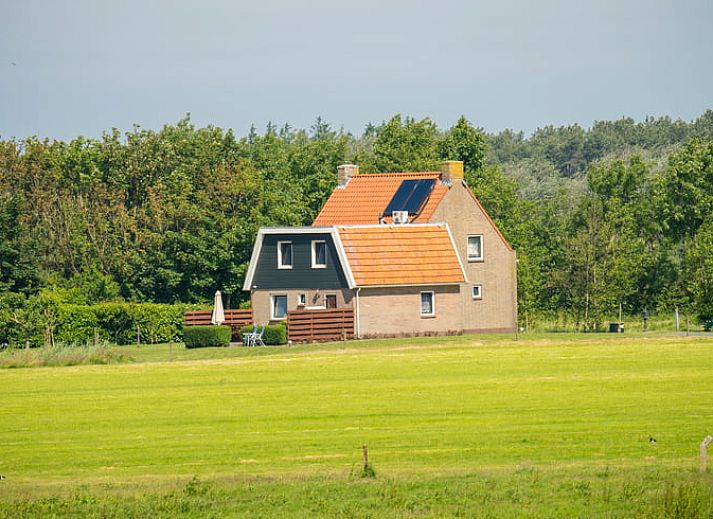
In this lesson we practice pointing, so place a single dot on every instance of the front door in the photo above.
(330, 301)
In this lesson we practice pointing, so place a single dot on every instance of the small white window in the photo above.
(301, 299)
(319, 254)
(279, 307)
(475, 247)
(428, 304)
(477, 291)
(284, 254)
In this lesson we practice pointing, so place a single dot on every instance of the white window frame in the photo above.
(480, 292)
(433, 303)
(280, 265)
(272, 307)
(302, 299)
(482, 248)
(316, 265)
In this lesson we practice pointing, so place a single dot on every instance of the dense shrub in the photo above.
(34, 319)
(275, 334)
(156, 323)
(202, 336)
(77, 324)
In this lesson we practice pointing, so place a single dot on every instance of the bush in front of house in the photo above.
(205, 336)
(275, 334)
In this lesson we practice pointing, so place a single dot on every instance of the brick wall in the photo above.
(261, 300)
(396, 311)
(496, 311)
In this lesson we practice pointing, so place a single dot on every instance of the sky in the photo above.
(81, 67)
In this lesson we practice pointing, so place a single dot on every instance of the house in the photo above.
(411, 253)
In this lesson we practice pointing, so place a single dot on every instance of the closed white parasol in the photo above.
(218, 316)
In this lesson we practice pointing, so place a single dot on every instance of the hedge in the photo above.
(77, 324)
(116, 322)
(203, 336)
(156, 323)
(275, 334)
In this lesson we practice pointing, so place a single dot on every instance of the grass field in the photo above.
(552, 425)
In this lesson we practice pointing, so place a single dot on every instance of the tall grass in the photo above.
(63, 354)
(526, 492)
(561, 322)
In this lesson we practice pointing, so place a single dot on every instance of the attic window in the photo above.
(284, 254)
(475, 247)
(319, 254)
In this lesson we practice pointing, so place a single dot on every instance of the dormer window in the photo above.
(475, 247)
(319, 254)
(284, 254)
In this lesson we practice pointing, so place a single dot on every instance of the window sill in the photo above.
(477, 260)
(428, 316)
(319, 266)
(283, 267)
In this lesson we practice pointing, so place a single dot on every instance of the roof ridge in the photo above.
(396, 174)
(411, 225)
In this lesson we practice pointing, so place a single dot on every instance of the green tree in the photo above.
(464, 142)
(405, 145)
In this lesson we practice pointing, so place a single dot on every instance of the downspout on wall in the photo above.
(356, 314)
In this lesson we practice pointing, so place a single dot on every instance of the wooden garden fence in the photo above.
(332, 324)
(233, 318)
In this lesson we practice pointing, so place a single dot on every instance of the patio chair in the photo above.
(257, 339)
(248, 337)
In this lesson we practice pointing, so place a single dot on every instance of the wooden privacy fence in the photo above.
(332, 324)
(233, 318)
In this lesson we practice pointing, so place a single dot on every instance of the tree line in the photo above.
(620, 213)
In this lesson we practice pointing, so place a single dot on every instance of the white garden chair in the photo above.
(257, 338)
(249, 337)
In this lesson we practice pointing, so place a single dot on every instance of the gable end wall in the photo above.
(496, 311)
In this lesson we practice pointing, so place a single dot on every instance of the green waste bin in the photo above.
(616, 327)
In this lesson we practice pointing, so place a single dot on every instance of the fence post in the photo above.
(678, 322)
(704, 452)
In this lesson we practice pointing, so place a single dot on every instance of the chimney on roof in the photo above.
(345, 172)
(451, 171)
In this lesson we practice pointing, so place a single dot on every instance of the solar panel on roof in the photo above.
(410, 196)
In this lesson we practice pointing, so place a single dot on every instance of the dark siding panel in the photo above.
(301, 275)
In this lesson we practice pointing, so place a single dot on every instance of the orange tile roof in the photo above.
(364, 198)
(401, 255)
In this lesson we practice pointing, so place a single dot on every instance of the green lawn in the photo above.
(552, 425)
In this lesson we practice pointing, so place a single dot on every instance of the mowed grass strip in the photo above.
(442, 407)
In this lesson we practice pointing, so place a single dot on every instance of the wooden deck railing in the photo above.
(333, 324)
